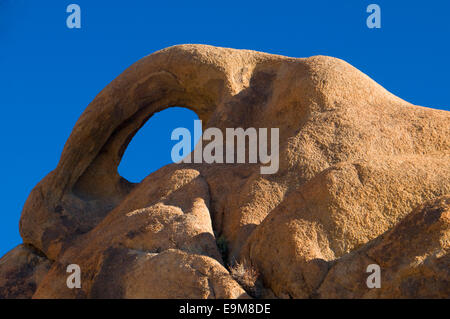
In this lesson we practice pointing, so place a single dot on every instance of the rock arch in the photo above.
(354, 161)
(85, 185)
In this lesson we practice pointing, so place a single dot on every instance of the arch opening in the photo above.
(150, 149)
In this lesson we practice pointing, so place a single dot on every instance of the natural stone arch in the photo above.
(354, 160)
(85, 185)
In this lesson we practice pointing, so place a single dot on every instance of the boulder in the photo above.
(414, 259)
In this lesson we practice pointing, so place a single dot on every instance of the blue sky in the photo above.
(49, 73)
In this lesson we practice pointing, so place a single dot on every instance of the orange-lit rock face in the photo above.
(354, 161)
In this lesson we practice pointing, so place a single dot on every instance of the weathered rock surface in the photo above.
(21, 271)
(126, 273)
(336, 212)
(355, 161)
(414, 257)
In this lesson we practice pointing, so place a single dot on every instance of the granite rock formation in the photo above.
(363, 178)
